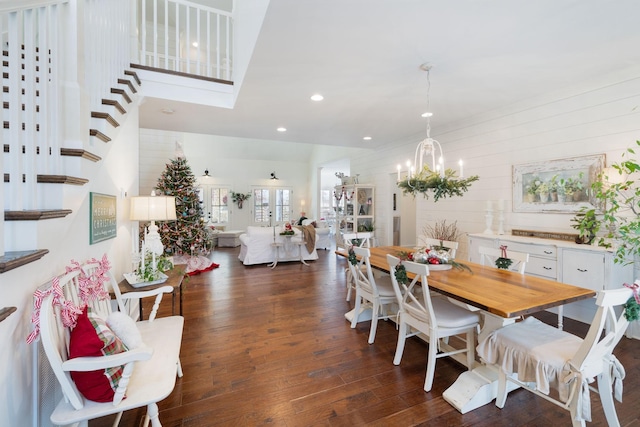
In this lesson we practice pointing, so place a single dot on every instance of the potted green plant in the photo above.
(575, 187)
(532, 189)
(543, 192)
(588, 223)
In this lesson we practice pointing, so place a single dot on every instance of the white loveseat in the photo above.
(256, 246)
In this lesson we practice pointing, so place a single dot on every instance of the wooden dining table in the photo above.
(501, 296)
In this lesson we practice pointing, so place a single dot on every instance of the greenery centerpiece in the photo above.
(433, 257)
(288, 230)
(443, 185)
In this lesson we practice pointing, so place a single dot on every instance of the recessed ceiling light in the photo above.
(194, 44)
(167, 111)
(427, 114)
(281, 129)
(317, 97)
(367, 138)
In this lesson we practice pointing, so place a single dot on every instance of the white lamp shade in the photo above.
(153, 208)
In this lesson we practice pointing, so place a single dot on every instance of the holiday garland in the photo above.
(632, 306)
(443, 186)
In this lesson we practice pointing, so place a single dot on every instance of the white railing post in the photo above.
(210, 28)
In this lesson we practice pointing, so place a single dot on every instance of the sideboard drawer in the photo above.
(544, 267)
(584, 269)
(535, 250)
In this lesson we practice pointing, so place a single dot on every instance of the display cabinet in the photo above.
(355, 207)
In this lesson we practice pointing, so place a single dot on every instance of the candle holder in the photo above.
(501, 222)
(489, 222)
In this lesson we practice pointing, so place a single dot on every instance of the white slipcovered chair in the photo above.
(488, 256)
(435, 317)
(379, 292)
(150, 369)
(533, 352)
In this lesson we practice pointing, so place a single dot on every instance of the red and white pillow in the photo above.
(93, 338)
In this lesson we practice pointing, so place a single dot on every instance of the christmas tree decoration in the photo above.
(188, 235)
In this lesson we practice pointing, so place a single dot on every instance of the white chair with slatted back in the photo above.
(544, 355)
(488, 256)
(379, 292)
(350, 239)
(435, 317)
(150, 370)
(451, 247)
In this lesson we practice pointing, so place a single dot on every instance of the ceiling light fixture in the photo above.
(273, 175)
(433, 176)
(167, 111)
(317, 97)
(281, 129)
(367, 138)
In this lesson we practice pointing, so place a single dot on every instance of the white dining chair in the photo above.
(354, 239)
(450, 246)
(379, 292)
(435, 317)
(488, 256)
(534, 352)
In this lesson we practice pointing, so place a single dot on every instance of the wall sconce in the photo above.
(273, 175)
(206, 173)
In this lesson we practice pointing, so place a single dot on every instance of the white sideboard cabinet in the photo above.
(567, 262)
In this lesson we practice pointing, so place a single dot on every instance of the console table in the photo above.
(175, 280)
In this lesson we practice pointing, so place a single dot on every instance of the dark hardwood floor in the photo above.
(272, 347)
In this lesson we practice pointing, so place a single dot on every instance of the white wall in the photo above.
(67, 239)
(588, 118)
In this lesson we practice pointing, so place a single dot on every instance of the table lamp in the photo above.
(151, 208)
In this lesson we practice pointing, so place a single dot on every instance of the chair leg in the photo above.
(374, 321)
(349, 283)
(116, 422)
(501, 397)
(179, 369)
(606, 397)
(356, 311)
(573, 408)
(402, 337)
(152, 414)
(431, 363)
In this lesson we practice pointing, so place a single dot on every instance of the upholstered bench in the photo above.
(229, 239)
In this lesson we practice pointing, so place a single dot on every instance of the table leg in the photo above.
(479, 386)
(173, 302)
(181, 292)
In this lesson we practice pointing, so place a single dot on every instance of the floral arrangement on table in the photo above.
(433, 257)
(288, 230)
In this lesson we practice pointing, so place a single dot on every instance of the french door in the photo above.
(272, 205)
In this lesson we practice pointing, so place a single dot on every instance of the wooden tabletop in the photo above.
(501, 292)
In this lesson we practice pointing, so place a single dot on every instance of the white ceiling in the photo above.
(364, 57)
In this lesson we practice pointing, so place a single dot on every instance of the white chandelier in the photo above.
(432, 175)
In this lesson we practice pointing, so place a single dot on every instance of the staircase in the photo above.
(41, 153)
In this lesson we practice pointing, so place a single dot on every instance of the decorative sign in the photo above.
(546, 235)
(102, 217)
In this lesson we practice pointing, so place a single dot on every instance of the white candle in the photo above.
(398, 172)
(441, 166)
(489, 205)
(501, 204)
(143, 256)
(408, 169)
(411, 171)
(460, 164)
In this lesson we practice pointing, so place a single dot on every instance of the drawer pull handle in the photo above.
(548, 252)
(547, 268)
(581, 270)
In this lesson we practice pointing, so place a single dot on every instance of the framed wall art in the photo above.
(562, 185)
(102, 217)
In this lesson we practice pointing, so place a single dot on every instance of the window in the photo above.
(214, 204)
(219, 208)
(271, 206)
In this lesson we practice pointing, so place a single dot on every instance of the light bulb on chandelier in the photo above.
(432, 174)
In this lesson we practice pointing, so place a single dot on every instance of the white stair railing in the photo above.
(181, 36)
(106, 47)
(30, 101)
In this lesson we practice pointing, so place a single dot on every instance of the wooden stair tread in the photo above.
(101, 136)
(61, 179)
(105, 116)
(130, 85)
(116, 104)
(134, 75)
(123, 93)
(79, 152)
(35, 215)
(11, 260)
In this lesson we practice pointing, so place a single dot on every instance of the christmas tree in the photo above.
(188, 235)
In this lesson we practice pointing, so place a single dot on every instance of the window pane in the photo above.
(261, 205)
